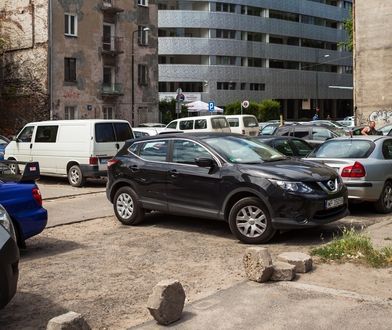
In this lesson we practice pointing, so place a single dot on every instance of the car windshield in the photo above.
(344, 149)
(241, 150)
(337, 131)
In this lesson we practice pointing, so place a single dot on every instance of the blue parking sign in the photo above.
(211, 106)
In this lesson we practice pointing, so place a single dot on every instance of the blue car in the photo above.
(3, 143)
(22, 199)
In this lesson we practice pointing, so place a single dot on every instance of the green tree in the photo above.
(167, 108)
(348, 26)
(269, 109)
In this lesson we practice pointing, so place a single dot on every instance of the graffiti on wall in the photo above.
(382, 116)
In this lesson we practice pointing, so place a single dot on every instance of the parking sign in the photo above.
(211, 106)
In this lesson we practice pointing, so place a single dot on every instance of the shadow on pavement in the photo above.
(22, 312)
(51, 180)
(41, 247)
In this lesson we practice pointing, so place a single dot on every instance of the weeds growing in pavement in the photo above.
(354, 246)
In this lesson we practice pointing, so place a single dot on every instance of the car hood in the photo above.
(290, 170)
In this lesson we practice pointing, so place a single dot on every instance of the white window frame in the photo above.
(142, 36)
(67, 16)
(67, 114)
(143, 3)
(108, 112)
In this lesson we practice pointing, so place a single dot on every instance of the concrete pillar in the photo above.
(334, 109)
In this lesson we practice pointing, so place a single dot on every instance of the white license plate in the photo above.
(103, 161)
(329, 204)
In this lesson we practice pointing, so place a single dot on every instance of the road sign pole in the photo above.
(241, 108)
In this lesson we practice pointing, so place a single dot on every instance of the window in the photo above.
(123, 132)
(225, 60)
(70, 69)
(200, 124)
(26, 134)
(104, 132)
(70, 25)
(46, 134)
(219, 123)
(186, 124)
(186, 152)
(155, 151)
(321, 134)
(226, 85)
(173, 125)
(225, 7)
(345, 149)
(108, 76)
(301, 133)
(250, 122)
(284, 147)
(142, 76)
(303, 149)
(226, 34)
(142, 36)
(70, 112)
(387, 149)
(257, 87)
(142, 2)
(234, 122)
(107, 112)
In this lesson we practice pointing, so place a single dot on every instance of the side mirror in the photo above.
(15, 138)
(204, 162)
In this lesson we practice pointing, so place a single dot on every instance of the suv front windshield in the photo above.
(241, 150)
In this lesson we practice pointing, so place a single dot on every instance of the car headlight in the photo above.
(291, 186)
(6, 222)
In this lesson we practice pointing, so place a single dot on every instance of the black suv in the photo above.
(229, 177)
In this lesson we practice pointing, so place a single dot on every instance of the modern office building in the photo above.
(96, 58)
(233, 50)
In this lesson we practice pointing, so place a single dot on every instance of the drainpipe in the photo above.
(50, 57)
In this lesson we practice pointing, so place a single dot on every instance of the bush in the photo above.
(266, 110)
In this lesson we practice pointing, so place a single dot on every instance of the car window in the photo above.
(244, 151)
(200, 124)
(26, 134)
(387, 149)
(173, 125)
(219, 122)
(139, 134)
(301, 133)
(123, 132)
(250, 122)
(284, 147)
(104, 132)
(268, 130)
(46, 134)
(186, 152)
(154, 150)
(283, 132)
(303, 148)
(319, 133)
(385, 129)
(233, 122)
(186, 124)
(345, 149)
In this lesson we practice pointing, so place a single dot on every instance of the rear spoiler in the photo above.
(30, 173)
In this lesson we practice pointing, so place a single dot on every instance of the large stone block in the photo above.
(258, 264)
(303, 262)
(283, 271)
(167, 301)
(68, 321)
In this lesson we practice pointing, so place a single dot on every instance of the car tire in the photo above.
(250, 221)
(14, 168)
(127, 207)
(75, 176)
(384, 203)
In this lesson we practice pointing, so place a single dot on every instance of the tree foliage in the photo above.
(167, 109)
(265, 110)
(348, 26)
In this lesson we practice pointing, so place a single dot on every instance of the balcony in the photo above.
(112, 90)
(110, 7)
(112, 46)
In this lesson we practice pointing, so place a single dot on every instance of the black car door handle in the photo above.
(117, 146)
(134, 168)
(173, 173)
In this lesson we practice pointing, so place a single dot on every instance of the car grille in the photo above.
(321, 215)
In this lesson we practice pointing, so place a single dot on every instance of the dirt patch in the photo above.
(106, 271)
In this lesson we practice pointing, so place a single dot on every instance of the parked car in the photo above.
(287, 145)
(253, 187)
(313, 134)
(244, 124)
(216, 123)
(22, 199)
(270, 129)
(265, 123)
(151, 125)
(385, 129)
(9, 259)
(365, 164)
(3, 143)
(77, 149)
(151, 131)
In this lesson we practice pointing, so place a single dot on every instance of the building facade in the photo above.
(373, 61)
(98, 58)
(232, 50)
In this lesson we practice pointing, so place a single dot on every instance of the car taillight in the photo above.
(93, 161)
(112, 162)
(355, 171)
(37, 196)
(243, 132)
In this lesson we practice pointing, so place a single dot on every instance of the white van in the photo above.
(244, 124)
(201, 124)
(74, 148)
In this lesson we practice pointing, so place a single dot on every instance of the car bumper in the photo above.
(293, 211)
(32, 223)
(93, 171)
(9, 271)
(364, 190)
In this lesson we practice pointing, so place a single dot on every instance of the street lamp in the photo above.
(133, 74)
(317, 78)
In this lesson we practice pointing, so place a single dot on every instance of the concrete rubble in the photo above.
(258, 264)
(303, 263)
(68, 321)
(283, 271)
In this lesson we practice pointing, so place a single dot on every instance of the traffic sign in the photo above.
(211, 106)
(245, 104)
(179, 91)
(180, 97)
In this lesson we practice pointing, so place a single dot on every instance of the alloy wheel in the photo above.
(74, 176)
(251, 221)
(124, 205)
(388, 197)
